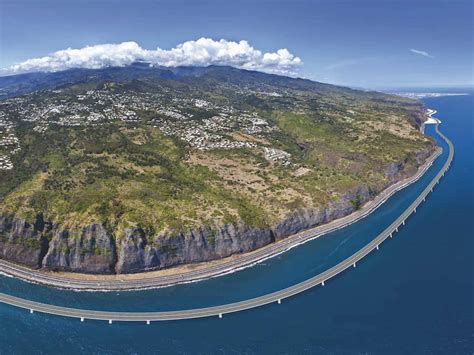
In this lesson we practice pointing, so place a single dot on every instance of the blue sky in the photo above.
(371, 44)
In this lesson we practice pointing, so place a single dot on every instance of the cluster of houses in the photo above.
(213, 132)
(172, 114)
(9, 143)
(9, 140)
(277, 155)
(5, 162)
(95, 107)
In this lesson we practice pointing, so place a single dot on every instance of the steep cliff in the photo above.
(88, 250)
(398, 171)
(137, 252)
(23, 242)
(92, 249)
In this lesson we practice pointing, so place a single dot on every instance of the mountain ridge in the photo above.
(138, 70)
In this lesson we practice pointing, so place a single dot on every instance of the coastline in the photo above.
(274, 297)
(201, 271)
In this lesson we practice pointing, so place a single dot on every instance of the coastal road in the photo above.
(221, 310)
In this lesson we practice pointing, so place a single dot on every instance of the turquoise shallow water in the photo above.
(414, 295)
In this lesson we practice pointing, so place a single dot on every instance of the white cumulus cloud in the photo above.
(202, 52)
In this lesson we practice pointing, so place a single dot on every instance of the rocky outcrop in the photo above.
(309, 218)
(138, 253)
(398, 171)
(23, 242)
(423, 154)
(90, 249)
(132, 253)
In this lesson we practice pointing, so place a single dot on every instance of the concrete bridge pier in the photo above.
(279, 301)
(403, 222)
(82, 319)
(220, 315)
(148, 322)
(322, 283)
(110, 321)
(377, 247)
(354, 265)
(31, 311)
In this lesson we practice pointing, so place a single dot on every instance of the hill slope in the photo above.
(137, 168)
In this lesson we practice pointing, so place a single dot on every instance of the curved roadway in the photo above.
(247, 304)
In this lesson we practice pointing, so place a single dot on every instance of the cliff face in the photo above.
(137, 252)
(308, 218)
(398, 171)
(92, 249)
(23, 242)
(89, 250)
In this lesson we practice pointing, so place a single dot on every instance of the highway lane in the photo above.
(246, 304)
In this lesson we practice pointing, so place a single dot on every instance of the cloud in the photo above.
(202, 52)
(423, 53)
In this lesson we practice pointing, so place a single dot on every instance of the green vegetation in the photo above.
(134, 173)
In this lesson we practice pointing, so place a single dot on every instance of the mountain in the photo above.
(16, 85)
(137, 168)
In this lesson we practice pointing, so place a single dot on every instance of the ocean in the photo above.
(414, 295)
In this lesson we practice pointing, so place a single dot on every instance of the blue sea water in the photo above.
(415, 295)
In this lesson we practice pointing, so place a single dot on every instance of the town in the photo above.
(9, 142)
(215, 127)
